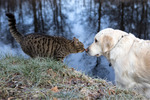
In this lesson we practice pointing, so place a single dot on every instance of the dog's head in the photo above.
(104, 41)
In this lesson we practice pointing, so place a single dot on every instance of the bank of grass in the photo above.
(47, 79)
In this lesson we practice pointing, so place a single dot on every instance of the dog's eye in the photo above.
(95, 40)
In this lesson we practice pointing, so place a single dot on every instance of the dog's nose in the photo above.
(87, 50)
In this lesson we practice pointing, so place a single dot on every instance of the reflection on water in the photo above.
(79, 18)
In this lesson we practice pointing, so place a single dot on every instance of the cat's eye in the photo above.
(95, 40)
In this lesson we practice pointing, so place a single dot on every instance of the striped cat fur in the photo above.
(38, 45)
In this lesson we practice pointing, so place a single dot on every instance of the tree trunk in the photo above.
(35, 16)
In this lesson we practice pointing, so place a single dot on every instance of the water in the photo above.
(75, 18)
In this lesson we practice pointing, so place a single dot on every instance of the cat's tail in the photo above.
(12, 26)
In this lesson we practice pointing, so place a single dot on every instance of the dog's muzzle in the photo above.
(87, 51)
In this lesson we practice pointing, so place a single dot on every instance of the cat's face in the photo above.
(79, 46)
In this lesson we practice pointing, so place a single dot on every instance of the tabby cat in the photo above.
(37, 45)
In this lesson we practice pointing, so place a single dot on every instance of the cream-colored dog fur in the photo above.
(129, 56)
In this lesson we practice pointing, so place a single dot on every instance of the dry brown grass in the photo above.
(48, 79)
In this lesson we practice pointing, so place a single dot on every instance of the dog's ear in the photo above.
(107, 43)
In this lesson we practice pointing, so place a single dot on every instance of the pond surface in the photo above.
(75, 18)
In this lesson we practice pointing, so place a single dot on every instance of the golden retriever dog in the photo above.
(128, 55)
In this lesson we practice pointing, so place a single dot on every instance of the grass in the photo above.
(47, 79)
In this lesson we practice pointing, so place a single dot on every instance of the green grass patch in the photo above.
(47, 79)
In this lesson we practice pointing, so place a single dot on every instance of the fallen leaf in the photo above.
(10, 98)
(55, 98)
(55, 89)
(72, 69)
(111, 92)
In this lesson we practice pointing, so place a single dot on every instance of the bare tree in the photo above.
(35, 15)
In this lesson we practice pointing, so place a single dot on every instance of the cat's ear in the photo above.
(74, 38)
(75, 41)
